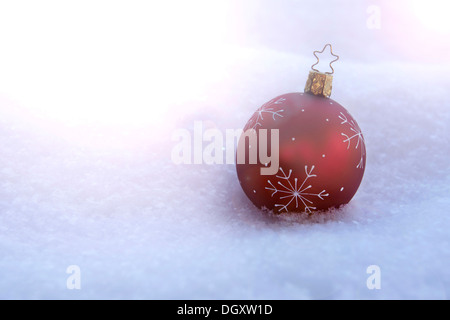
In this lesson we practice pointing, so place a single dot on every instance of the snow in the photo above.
(86, 176)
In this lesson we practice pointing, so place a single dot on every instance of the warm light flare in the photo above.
(433, 14)
(110, 61)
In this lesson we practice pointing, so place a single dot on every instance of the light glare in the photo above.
(433, 14)
(110, 61)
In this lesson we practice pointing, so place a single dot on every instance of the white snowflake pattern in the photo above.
(357, 135)
(267, 108)
(292, 192)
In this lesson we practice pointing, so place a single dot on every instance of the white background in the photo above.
(91, 92)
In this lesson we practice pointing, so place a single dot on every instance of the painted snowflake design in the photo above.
(356, 135)
(267, 108)
(290, 192)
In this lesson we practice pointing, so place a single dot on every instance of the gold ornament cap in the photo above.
(319, 83)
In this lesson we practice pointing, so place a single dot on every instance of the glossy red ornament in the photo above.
(322, 154)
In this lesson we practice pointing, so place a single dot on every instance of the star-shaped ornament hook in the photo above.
(331, 51)
(318, 83)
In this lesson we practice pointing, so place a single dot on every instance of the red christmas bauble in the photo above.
(321, 156)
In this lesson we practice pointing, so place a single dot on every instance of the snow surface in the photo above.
(104, 194)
